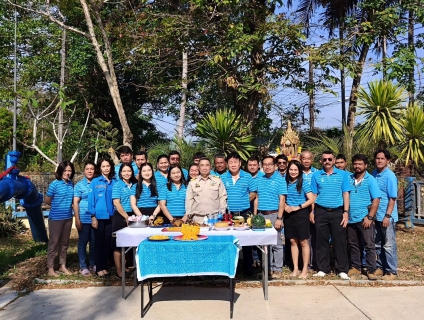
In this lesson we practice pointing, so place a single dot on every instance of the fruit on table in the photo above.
(258, 221)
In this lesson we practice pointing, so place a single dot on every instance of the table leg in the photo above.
(135, 282)
(142, 298)
(265, 271)
(231, 297)
(150, 302)
(123, 271)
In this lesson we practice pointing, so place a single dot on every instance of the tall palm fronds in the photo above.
(412, 143)
(382, 108)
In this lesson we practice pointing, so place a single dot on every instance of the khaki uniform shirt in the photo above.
(206, 196)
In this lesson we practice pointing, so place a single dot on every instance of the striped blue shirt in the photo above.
(308, 176)
(160, 180)
(81, 191)
(145, 200)
(388, 184)
(330, 187)
(118, 166)
(269, 191)
(294, 198)
(215, 173)
(175, 199)
(62, 195)
(238, 193)
(185, 173)
(122, 192)
(362, 196)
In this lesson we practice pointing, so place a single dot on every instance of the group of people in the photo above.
(355, 212)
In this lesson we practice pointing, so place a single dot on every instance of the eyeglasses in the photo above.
(282, 162)
(327, 159)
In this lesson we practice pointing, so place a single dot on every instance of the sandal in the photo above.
(85, 272)
(101, 274)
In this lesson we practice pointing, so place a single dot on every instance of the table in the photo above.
(217, 255)
(132, 237)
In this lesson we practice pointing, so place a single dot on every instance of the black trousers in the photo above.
(103, 237)
(247, 252)
(360, 238)
(326, 224)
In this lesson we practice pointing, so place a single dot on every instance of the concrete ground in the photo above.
(174, 303)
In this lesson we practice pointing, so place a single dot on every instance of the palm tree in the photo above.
(382, 108)
(224, 131)
(412, 143)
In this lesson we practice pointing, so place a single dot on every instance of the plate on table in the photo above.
(158, 238)
(221, 228)
(241, 228)
(258, 229)
(162, 226)
(199, 238)
(171, 229)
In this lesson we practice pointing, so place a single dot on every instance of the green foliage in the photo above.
(225, 131)
(382, 108)
(104, 136)
(412, 142)
(9, 226)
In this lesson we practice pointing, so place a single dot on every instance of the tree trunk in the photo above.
(384, 57)
(342, 76)
(311, 97)
(107, 68)
(61, 84)
(353, 100)
(411, 45)
(183, 96)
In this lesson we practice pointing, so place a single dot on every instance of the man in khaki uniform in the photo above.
(206, 194)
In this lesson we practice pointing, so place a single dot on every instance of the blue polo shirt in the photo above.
(308, 176)
(294, 198)
(185, 173)
(362, 196)
(215, 173)
(160, 179)
(269, 191)
(62, 194)
(175, 199)
(100, 198)
(330, 187)
(122, 192)
(145, 200)
(238, 193)
(387, 182)
(81, 191)
(118, 166)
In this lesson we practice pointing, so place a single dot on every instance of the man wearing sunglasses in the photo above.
(282, 162)
(331, 188)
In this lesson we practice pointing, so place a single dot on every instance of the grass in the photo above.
(22, 260)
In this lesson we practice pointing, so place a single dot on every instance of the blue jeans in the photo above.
(86, 235)
(385, 247)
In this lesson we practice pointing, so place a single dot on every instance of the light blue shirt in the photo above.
(118, 166)
(62, 194)
(308, 176)
(294, 198)
(145, 200)
(160, 180)
(122, 192)
(387, 182)
(81, 191)
(361, 196)
(238, 193)
(269, 191)
(175, 199)
(215, 173)
(330, 187)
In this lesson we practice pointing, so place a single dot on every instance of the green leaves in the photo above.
(224, 132)
(411, 145)
(382, 108)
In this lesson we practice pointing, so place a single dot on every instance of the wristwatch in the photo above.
(279, 218)
(345, 211)
(387, 215)
(300, 206)
(93, 215)
(370, 217)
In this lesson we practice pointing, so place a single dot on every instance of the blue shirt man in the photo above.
(220, 165)
(270, 203)
(387, 216)
(126, 156)
(241, 187)
(364, 199)
(331, 187)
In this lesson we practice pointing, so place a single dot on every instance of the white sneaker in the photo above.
(320, 274)
(344, 276)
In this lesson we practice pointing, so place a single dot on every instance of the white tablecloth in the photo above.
(131, 237)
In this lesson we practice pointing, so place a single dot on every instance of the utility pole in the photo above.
(311, 96)
(342, 77)
(15, 79)
(183, 95)
(411, 45)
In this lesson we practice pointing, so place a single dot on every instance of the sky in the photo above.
(330, 105)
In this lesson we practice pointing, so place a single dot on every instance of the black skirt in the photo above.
(296, 224)
(118, 223)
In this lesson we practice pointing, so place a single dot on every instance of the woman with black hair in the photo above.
(296, 216)
(121, 194)
(172, 196)
(101, 209)
(59, 196)
(144, 194)
(162, 170)
(193, 172)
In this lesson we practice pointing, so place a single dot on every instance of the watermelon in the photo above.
(258, 222)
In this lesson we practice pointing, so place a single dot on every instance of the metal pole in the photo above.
(15, 77)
